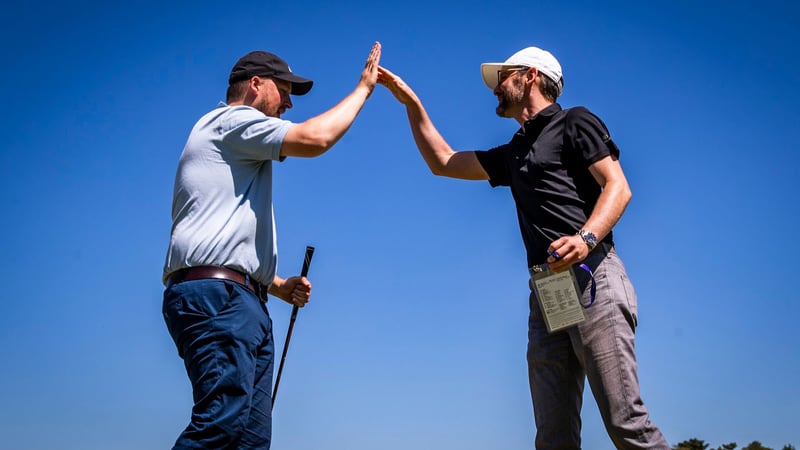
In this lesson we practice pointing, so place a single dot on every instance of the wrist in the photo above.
(589, 238)
(364, 89)
(275, 287)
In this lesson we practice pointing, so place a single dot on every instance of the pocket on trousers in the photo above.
(630, 299)
(193, 302)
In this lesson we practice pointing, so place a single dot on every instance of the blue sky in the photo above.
(416, 334)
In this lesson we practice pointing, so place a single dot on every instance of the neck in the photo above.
(535, 104)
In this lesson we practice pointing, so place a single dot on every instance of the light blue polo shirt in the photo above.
(222, 199)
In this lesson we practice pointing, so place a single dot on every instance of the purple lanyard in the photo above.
(592, 289)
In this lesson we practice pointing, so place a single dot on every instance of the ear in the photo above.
(531, 74)
(255, 84)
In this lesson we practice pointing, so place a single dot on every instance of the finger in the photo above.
(388, 74)
(374, 54)
(386, 81)
(555, 245)
(301, 291)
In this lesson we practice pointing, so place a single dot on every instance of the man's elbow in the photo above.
(626, 195)
(318, 148)
(438, 169)
(440, 165)
(319, 142)
(308, 140)
(308, 147)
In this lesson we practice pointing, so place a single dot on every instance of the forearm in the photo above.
(317, 135)
(609, 208)
(275, 287)
(432, 146)
(436, 152)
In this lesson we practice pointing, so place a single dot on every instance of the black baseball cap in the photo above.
(265, 64)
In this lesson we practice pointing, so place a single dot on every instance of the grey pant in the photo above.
(600, 349)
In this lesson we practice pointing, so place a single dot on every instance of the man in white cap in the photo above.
(569, 189)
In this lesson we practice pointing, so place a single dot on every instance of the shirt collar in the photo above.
(535, 124)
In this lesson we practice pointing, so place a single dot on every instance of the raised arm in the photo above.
(438, 154)
(318, 134)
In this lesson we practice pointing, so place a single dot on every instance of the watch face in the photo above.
(589, 238)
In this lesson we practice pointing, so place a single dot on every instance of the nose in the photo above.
(497, 90)
(287, 101)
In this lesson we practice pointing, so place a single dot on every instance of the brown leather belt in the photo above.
(218, 273)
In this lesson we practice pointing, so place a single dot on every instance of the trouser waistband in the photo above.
(603, 247)
(218, 273)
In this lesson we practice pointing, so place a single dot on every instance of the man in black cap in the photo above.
(222, 258)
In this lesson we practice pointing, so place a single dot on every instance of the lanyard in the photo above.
(593, 288)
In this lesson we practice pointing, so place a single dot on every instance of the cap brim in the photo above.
(489, 73)
(300, 85)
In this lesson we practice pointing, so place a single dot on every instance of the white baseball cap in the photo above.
(542, 60)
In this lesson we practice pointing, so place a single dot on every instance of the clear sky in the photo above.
(415, 337)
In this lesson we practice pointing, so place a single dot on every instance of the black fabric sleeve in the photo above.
(588, 136)
(494, 163)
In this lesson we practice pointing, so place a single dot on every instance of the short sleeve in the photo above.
(588, 137)
(494, 164)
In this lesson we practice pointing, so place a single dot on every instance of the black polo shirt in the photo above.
(546, 164)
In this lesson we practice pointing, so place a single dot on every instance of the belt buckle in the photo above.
(538, 268)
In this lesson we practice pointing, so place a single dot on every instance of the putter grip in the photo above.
(307, 260)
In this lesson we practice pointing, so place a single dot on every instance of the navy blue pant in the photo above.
(224, 335)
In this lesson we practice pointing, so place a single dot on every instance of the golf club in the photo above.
(303, 273)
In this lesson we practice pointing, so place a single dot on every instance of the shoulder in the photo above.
(580, 118)
(579, 113)
(587, 132)
(241, 117)
(230, 116)
(243, 112)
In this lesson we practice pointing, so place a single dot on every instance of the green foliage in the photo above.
(691, 444)
(699, 444)
(755, 445)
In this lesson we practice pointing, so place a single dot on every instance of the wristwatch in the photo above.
(589, 238)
